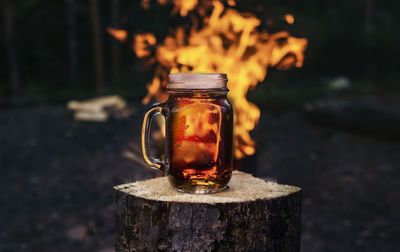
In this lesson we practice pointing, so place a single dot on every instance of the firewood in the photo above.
(252, 215)
(99, 109)
(99, 116)
(97, 104)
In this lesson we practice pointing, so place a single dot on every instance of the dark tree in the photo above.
(8, 9)
(369, 34)
(97, 45)
(115, 46)
(72, 42)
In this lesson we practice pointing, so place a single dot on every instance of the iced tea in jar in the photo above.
(199, 133)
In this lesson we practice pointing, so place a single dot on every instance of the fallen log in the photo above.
(253, 215)
(359, 117)
(99, 109)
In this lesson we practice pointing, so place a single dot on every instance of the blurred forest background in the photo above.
(58, 172)
(57, 50)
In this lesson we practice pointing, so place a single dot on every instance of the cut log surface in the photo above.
(252, 215)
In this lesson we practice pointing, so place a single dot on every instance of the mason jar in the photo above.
(199, 133)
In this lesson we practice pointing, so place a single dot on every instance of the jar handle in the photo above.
(152, 162)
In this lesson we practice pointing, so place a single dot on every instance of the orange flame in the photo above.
(289, 18)
(120, 35)
(181, 6)
(228, 42)
(184, 6)
(231, 2)
(142, 44)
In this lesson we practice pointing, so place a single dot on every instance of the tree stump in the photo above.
(253, 215)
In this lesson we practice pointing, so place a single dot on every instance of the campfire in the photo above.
(225, 41)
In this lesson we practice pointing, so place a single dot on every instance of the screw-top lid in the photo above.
(197, 81)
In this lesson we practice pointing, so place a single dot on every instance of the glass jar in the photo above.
(199, 133)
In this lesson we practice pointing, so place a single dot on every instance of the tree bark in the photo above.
(11, 47)
(97, 45)
(72, 41)
(253, 215)
(115, 45)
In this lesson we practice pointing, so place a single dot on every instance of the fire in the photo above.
(120, 35)
(184, 6)
(181, 6)
(227, 42)
(289, 18)
(142, 43)
(231, 2)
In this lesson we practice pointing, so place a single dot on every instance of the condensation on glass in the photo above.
(199, 132)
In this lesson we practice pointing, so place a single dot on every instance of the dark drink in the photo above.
(199, 141)
(199, 133)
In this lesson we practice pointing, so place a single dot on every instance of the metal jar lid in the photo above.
(197, 81)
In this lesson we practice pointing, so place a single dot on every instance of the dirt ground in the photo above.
(57, 178)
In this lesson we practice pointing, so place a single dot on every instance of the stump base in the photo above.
(253, 215)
